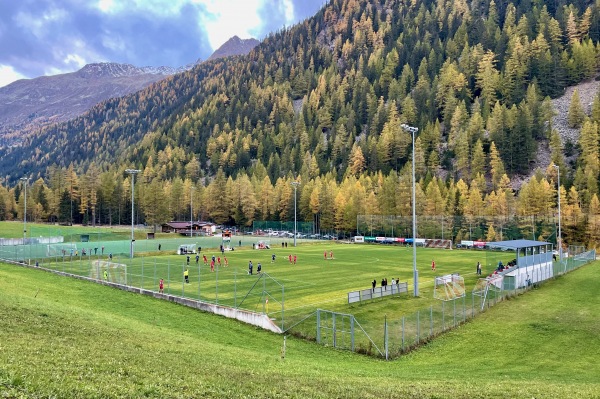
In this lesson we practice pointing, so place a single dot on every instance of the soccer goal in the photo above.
(64, 249)
(263, 244)
(488, 287)
(109, 271)
(186, 249)
(449, 287)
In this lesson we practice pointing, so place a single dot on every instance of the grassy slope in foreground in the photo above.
(66, 338)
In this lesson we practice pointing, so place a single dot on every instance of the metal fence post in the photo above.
(443, 316)
(169, 276)
(142, 272)
(154, 280)
(454, 311)
(352, 332)
(385, 337)
(402, 333)
(199, 281)
(318, 326)
(431, 320)
(182, 280)
(464, 309)
(418, 327)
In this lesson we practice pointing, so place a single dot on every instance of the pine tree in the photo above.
(575, 116)
(496, 165)
(477, 159)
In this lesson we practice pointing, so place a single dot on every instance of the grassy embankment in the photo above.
(67, 338)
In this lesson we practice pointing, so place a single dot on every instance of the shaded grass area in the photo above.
(67, 338)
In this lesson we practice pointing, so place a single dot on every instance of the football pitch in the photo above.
(289, 291)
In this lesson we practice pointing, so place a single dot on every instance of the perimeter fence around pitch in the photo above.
(459, 228)
(229, 286)
(280, 226)
(392, 337)
(232, 287)
(37, 249)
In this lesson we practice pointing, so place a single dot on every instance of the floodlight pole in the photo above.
(132, 172)
(25, 180)
(413, 131)
(191, 211)
(559, 217)
(295, 184)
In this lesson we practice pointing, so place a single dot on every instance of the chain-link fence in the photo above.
(390, 338)
(33, 251)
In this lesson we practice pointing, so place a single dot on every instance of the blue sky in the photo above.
(48, 37)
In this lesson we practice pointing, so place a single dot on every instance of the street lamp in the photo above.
(25, 180)
(191, 210)
(295, 184)
(559, 240)
(132, 172)
(413, 131)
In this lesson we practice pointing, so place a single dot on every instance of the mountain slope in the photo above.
(329, 96)
(29, 103)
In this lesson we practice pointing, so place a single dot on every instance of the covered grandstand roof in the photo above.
(516, 244)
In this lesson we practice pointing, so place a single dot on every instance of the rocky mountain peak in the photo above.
(234, 46)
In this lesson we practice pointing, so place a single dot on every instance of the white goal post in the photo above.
(109, 271)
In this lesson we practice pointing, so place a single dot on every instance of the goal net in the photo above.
(449, 287)
(263, 244)
(489, 287)
(67, 249)
(109, 271)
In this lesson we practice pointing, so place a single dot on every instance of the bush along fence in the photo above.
(393, 337)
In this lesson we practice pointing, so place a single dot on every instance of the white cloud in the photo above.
(228, 18)
(288, 11)
(8, 75)
(220, 19)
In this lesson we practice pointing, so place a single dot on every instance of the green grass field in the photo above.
(308, 284)
(296, 291)
(67, 338)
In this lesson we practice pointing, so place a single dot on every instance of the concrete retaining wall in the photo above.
(245, 316)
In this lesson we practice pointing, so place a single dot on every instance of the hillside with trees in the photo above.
(323, 103)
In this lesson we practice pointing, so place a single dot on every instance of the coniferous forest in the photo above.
(323, 103)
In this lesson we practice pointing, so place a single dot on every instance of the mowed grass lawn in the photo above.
(66, 338)
(312, 282)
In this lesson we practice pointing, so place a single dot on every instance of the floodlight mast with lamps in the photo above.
(295, 184)
(559, 216)
(413, 130)
(25, 180)
(132, 172)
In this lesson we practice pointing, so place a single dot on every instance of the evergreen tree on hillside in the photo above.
(576, 115)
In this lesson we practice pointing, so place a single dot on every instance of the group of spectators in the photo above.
(384, 283)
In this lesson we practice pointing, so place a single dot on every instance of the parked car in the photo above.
(328, 237)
